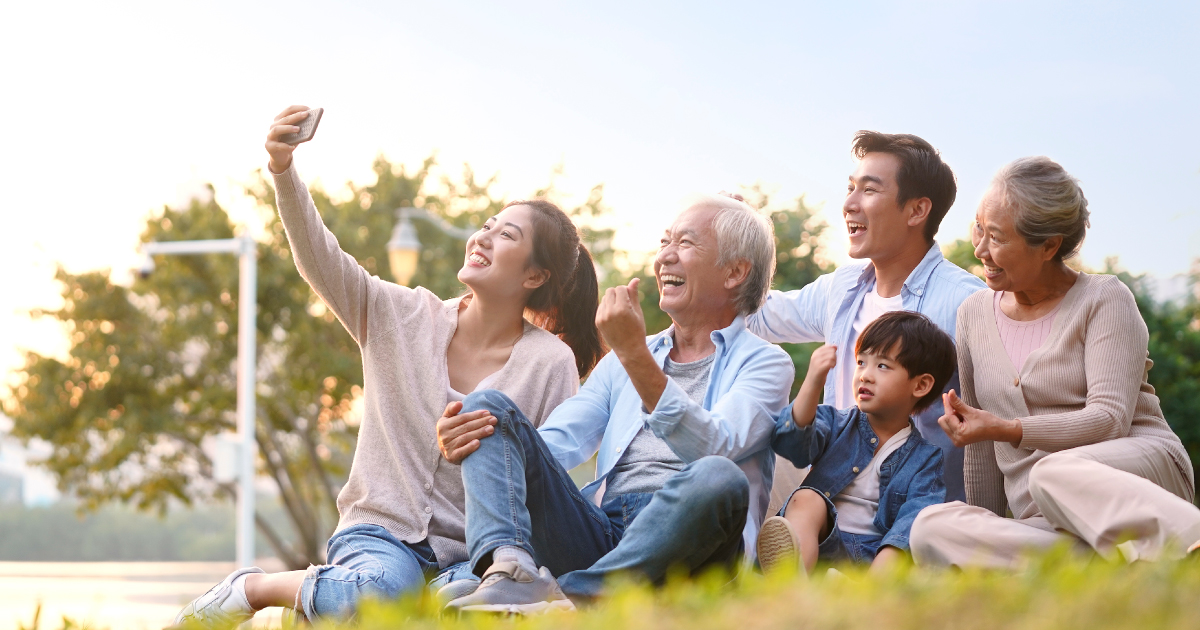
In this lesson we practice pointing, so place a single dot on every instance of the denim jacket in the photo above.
(839, 442)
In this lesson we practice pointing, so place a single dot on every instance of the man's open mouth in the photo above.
(855, 227)
(670, 280)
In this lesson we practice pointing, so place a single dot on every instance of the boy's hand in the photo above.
(804, 408)
(885, 559)
(822, 360)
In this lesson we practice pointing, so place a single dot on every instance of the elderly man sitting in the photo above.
(681, 421)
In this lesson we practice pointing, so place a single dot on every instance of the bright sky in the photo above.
(113, 109)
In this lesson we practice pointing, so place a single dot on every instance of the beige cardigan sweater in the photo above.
(1084, 385)
(398, 479)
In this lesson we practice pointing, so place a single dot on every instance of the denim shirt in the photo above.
(838, 442)
(825, 311)
(748, 385)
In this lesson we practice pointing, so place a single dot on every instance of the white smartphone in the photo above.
(308, 127)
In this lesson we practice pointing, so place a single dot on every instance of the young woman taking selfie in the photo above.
(401, 510)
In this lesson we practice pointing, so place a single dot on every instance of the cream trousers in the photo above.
(1123, 496)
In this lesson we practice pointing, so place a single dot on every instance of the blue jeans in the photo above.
(839, 545)
(518, 494)
(367, 561)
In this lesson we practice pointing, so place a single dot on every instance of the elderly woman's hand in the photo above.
(968, 425)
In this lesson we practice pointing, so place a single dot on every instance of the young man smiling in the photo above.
(895, 201)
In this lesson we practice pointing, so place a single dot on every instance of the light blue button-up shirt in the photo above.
(825, 311)
(747, 388)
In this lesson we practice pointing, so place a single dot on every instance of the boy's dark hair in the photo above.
(924, 348)
(922, 172)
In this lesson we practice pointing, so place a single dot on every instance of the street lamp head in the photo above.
(147, 267)
(403, 249)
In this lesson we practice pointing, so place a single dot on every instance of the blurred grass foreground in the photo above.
(1054, 591)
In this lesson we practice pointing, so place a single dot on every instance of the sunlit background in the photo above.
(112, 110)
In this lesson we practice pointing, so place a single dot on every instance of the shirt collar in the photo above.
(722, 338)
(919, 277)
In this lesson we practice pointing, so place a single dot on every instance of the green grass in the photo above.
(1056, 591)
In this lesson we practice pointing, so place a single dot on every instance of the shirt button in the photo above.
(855, 469)
(422, 534)
(428, 509)
(874, 440)
(827, 494)
(1016, 382)
(428, 486)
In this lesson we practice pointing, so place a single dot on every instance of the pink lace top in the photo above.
(1020, 339)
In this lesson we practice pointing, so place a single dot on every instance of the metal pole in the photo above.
(246, 378)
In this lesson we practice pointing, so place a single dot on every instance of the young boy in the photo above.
(872, 472)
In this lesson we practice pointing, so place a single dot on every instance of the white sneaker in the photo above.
(221, 607)
(777, 545)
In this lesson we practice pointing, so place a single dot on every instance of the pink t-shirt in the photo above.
(1020, 339)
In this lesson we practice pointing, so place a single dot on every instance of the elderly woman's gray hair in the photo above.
(1046, 202)
(743, 233)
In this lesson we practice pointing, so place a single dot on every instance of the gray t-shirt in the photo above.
(648, 462)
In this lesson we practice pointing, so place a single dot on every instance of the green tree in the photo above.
(1174, 329)
(962, 253)
(150, 373)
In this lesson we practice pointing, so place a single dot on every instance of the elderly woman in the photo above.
(1059, 422)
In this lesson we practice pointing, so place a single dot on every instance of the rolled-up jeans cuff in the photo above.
(476, 564)
(307, 595)
(452, 573)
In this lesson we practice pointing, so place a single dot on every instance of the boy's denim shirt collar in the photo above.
(840, 444)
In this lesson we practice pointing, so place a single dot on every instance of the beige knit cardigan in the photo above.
(398, 479)
(1084, 385)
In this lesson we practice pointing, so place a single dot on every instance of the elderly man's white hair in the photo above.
(742, 234)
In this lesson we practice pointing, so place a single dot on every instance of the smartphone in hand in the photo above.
(308, 128)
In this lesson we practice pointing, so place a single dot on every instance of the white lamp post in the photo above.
(404, 248)
(246, 249)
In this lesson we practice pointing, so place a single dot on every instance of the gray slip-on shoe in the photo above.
(220, 607)
(456, 589)
(777, 545)
(509, 589)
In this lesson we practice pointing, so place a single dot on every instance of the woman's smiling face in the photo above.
(498, 256)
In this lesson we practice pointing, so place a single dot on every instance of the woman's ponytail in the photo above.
(566, 304)
(577, 314)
